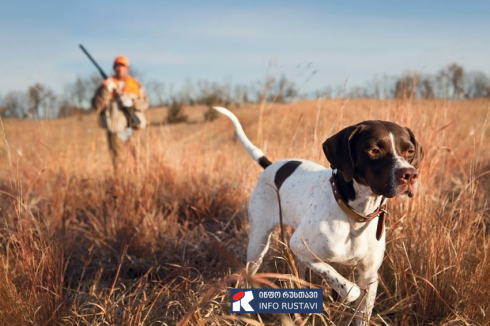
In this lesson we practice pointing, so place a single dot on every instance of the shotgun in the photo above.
(133, 120)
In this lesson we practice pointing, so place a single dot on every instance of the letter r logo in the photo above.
(242, 299)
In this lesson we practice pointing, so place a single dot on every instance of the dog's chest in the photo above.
(337, 239)
(327, 230)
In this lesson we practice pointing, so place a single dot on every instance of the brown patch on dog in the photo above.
(284, 172)
(264, 162)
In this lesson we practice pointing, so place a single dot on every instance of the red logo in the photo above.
(238, 296)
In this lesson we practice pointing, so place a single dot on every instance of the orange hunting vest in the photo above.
(131, 86)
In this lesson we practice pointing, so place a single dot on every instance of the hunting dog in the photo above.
(338, 213)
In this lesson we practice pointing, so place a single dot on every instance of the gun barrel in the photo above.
(102, 73)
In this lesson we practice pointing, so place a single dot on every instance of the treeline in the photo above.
(40, 101)
(450, 82)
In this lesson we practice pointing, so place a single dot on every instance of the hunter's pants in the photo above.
(117, 149)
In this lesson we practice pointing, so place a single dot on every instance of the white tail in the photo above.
(252, 150)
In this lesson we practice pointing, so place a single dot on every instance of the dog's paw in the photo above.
(352, 294)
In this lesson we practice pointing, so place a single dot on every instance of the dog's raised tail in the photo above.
(252, 150)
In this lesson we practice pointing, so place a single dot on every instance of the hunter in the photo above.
(117, 101)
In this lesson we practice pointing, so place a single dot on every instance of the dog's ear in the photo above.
(419, 151)
(338, 150)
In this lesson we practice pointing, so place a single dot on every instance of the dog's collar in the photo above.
(358, 217)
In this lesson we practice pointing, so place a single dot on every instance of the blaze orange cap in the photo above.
(121, 60)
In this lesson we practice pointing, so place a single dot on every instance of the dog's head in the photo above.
(378, 154)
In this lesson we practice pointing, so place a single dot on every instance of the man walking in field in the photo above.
(115, 101)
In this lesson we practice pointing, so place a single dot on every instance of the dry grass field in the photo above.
(163, 242)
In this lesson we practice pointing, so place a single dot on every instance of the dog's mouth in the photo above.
(400, 190)
(407, 189)
(408, 193)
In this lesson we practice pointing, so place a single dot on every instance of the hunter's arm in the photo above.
(141, 103)
(101, 99)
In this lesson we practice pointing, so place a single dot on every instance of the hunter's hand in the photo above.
(110, 85)
(126, 101)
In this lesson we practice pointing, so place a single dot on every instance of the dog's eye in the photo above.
(374, 151)
(411, 152)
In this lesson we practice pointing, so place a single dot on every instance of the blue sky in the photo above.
(172, 41)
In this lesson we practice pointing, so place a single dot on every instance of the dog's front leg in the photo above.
(367, 281)
(346, 289)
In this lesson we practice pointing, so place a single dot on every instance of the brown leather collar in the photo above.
(358, 217)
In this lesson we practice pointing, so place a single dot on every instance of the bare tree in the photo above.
(15, 105)
(77, 94)
(426, 88)
(212, 93)
(41, 101)
(280, 90)
(453, 74)
(457, 79)
(477, 85)
(406, 86)
(80, 92)
(35, 94)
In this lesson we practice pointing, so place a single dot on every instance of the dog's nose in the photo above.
(407, 175)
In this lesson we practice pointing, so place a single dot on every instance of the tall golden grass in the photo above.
(164, 241)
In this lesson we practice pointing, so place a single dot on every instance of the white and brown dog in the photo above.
(339, 212)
